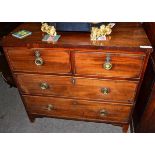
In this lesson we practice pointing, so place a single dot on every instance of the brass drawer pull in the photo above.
(103, 113)
(44, 86)
(38, 60)
(50, 107)
(105, 91)
(107, 65)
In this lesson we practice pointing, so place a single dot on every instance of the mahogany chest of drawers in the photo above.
(76, 78)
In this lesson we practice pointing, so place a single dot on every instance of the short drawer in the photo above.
(78, 109)
(108, 64)
(87, 88)
(39, 60)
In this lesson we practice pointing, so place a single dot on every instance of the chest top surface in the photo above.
(124, 35)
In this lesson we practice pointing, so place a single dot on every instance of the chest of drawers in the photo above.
(79, 79)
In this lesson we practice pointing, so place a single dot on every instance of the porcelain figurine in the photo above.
(48, 29)
(102, 32)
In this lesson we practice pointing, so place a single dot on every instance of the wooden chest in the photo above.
(76, 78)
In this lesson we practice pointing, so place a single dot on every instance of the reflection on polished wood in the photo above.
(124, 35)
(71, 81)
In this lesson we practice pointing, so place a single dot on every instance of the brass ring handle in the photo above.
(44, 86)
(107, 65)
(50, 107)
(103, 112)
(39, 61)
(105, 91)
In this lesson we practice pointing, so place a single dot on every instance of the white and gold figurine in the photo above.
(102, 32)
(48, 29)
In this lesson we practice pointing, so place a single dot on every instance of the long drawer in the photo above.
(40, 60)
(78, 109)
(95, 89)
(104, 64)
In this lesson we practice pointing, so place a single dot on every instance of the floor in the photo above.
(13, 118)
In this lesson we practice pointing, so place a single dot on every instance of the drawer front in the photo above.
(39, 61)
(108, 90)
(78, 109)
(108, 65)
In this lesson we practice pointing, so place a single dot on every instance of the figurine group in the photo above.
(100, 33)
(48, 29)
(96, 33)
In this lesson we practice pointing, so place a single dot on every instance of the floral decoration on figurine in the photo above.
(102, 32)
(48, 29)
(51, 35)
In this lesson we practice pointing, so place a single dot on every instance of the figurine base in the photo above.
(49, 38)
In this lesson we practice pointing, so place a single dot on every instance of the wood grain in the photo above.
(124, 36)
(123, 91)
(78, 109)
(73, 71)
(123, 65)
(55, 60)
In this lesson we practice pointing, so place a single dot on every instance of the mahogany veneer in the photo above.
(84, 88)
(71, 80)
(78, 109)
